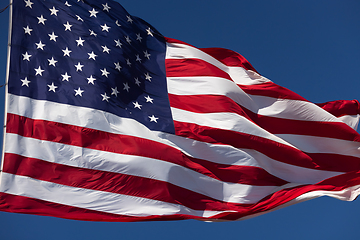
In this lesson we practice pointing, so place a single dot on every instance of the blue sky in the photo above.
(309, 46)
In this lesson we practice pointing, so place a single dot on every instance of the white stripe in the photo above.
(77, 116)
(290, 173)
(313, 144)
(292, 109)
(351, 120)
(135, 166)
(238, 74)
(263, 105)
(92, 199)
(225, 121)
(347, 194)
(210, 86)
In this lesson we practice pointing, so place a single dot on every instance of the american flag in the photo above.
(107, 120)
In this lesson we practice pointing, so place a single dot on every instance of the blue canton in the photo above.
(91, 54)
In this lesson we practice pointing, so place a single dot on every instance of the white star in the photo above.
(91, 80)
(114, 91)
(128, 62)
(138, 59)
(67, 26)
(118, 43)
(105, 98)
(93, 13)
(79, 67)
(105, 27)
(40, 45)
(129, 19)
(137, 105)
(53, 11)
(39, 71)
(92, 55)
(27, 30)
(25, 82)
(42, 20)
(28, 3)
(78, 92)
(104, 72)
(80, 42)
(153, 118)
(65, 77)
(147, 55)
(149, 32)
(52, 36)
(126, 87)
(79, 18)
(92, 33)
(137, 82)
(106, 49)
(106, 7)
(52, 61)
(66, 52)
(52, 87)
(138, 37)
(117, 66)
(117, 23)
(149, 99)
(26, 56)
(148, 77)
(67, 4)
(128, 39)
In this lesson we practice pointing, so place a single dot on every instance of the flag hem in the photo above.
(6, 87)
(312, 195)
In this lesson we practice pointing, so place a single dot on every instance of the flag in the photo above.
(108, 120)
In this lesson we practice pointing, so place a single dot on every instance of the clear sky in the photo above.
(310, 46)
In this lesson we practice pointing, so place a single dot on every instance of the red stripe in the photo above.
(275, 125)
(336, 162)
(191, 68)
(123, 144)
(270, 89)
(207, 104)
(341, 107)
(21, 204)
(218, 103)
(108, 182)
(229, 58)
(272, 149)
(225, 56)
